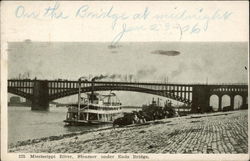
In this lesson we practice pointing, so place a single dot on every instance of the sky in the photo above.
(180, 62)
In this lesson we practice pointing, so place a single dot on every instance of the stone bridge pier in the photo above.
(40, 99)
(244, 102)
(200, 99)
(220, 102)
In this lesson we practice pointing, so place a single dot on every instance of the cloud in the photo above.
(114, 46)
(27, 41)
(165, 52)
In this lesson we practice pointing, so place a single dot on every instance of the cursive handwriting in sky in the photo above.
(175, 21)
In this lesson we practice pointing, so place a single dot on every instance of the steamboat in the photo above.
(95, 109)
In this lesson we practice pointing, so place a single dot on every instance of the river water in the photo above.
(24, 124)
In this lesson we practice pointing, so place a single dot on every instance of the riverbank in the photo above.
(222, 132)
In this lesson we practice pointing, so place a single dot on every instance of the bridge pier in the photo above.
(220, 103)
(200, 99)
(40, 99)
(244, 102)
(232, 102)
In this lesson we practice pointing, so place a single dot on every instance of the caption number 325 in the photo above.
(21, 156)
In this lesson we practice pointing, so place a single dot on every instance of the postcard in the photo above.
(124, 80)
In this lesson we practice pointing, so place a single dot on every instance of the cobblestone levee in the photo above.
(206, 133)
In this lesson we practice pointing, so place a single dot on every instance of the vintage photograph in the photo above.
(128, 97)
(124, 80)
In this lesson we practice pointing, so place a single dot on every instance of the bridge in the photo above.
(197, 96)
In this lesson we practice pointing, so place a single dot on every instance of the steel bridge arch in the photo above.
(120, 88)
(20, 93)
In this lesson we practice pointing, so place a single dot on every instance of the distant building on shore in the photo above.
(16, 101)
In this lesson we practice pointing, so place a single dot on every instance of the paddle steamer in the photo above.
(95, 109)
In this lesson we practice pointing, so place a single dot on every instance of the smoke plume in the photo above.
(145, 72)
(99, 77)
(182, 67)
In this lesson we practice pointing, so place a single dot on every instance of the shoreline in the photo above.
(58, 137)
(54, 137)
(172, 135)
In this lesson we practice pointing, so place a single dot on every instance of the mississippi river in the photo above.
(24, 124)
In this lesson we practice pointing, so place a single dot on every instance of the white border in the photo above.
(15, 30)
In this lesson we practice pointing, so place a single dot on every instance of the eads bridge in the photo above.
(41, 92)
